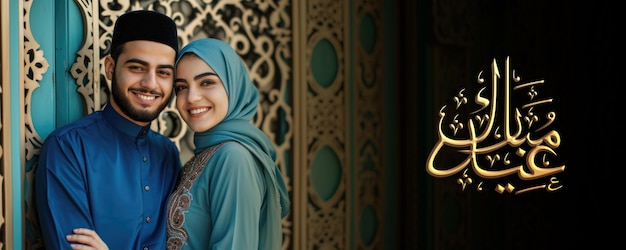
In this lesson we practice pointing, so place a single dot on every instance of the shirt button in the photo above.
(144, 159)
(147, 188)
(148, 219)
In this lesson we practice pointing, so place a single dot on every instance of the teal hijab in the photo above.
(243, 99)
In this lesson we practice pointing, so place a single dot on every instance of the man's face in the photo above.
(141, 80)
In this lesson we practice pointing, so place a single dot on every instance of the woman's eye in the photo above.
(206, 83)
(179, 88)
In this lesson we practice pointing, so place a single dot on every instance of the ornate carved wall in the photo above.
(369, 125)
(318, 67)
(260, 31)
(4, 167)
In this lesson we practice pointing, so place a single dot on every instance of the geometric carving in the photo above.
(368, 131)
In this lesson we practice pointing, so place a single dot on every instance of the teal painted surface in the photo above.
(59, 33)
(368, 224)
(325, 173)
(42, 25)
(57, 27)
(70, 31)
(367, 33)
(16, 109)
(324, 63)
(42, 102)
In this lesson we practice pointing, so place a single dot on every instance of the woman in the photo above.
(231, 194)
(231, 189)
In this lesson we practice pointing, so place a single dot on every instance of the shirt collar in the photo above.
(127, 127)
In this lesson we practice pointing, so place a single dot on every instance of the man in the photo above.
(108, 171)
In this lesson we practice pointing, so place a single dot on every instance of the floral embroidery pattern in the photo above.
(180, 199)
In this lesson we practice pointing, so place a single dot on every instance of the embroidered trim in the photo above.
(180, 200)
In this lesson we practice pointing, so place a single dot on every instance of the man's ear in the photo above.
(109, 66)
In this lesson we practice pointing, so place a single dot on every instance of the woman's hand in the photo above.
(87, 238)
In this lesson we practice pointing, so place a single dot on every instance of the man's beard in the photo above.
(117, 94)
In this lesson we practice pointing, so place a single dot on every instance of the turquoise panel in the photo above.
(42, 24)
(16, 111)
(70, 37)
(367, 33)
(324, 63)
(59, 33)
(368, 224)
(325, 173)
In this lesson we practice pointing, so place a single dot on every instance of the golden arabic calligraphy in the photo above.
(508, 143)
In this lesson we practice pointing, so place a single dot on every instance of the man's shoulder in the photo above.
(84, 123)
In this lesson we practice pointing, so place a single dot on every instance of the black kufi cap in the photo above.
(145, 25)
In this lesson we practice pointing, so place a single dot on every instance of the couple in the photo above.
(108, 181)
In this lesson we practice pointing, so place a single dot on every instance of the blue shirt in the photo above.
(106, 173)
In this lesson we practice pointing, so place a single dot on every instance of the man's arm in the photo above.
(60, 193)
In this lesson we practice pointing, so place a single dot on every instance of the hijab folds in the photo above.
(243, 98)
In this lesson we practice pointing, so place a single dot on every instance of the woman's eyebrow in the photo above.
(197, 77)
(205, 74)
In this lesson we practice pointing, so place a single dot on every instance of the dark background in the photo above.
(572, 45)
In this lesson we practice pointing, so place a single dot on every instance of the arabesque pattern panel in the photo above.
(262, 33)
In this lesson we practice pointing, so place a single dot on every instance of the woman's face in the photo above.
(200, 95)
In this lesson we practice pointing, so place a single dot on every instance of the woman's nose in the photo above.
(193, 94)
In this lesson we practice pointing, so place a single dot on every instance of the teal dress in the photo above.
(231, 194)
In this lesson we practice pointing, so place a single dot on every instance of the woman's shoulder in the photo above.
(232, 158)
(233, 151)
(231, 148)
